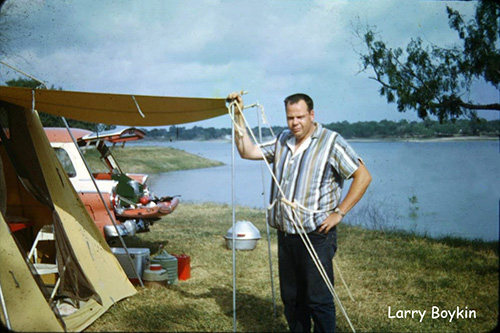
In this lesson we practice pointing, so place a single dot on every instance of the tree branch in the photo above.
(494, 106)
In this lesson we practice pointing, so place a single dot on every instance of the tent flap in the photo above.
(116, 109)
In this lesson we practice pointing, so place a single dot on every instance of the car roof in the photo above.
(60, 134)
(116, 135)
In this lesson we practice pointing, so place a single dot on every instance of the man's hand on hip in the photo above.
(331, 221)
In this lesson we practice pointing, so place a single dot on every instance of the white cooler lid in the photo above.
(131, 250)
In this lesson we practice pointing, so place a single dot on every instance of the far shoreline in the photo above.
(357, 140)
(433, 139)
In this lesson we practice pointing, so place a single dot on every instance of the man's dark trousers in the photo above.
(303, 291)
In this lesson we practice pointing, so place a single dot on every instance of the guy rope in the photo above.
(290, 207)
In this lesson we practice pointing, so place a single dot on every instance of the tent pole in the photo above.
(267, 224)
(103, 201)
(26, 74)
(233, 218)
(4, 309)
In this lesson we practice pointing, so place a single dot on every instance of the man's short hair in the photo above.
(295, 98)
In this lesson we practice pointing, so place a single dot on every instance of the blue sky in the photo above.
(209, 48)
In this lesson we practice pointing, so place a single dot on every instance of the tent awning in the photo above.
(116, 109)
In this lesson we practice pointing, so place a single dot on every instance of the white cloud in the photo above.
(209, 48)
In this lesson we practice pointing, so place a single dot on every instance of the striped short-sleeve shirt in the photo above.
(313, 176)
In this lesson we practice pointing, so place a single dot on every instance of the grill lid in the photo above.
(243, 230)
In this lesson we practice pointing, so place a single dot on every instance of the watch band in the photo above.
(338, 211)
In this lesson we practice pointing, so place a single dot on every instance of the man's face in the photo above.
(300, 120)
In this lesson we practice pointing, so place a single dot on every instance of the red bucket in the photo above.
(183, 266)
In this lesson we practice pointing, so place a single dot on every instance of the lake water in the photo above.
(455, 186)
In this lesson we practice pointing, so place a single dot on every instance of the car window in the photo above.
(65, 160)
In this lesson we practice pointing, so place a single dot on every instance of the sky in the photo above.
(209, 48)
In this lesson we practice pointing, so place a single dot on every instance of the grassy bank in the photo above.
(151, 159)
(381, 269)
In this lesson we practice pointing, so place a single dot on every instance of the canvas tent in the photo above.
(36, 192)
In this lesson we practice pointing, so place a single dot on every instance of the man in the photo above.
(310, 163)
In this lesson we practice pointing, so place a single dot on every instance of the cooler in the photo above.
(140, 259)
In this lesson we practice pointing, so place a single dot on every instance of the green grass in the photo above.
(150, 159)
(382, 269)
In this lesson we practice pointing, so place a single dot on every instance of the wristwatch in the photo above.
(338, 211)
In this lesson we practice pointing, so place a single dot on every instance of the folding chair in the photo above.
(46, 233)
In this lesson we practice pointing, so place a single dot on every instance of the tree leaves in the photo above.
(435, 80)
